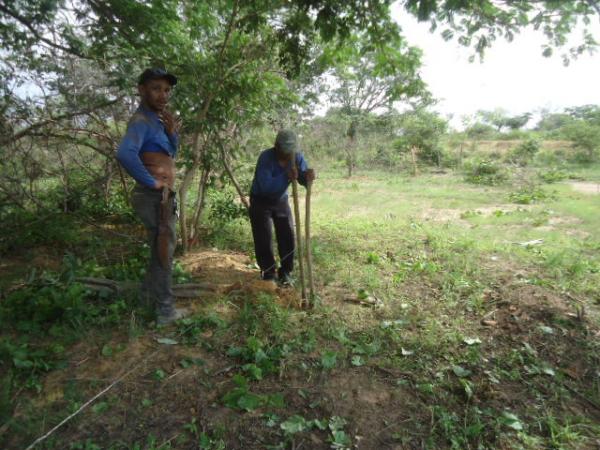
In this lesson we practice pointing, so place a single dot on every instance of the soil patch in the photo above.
(586, 188)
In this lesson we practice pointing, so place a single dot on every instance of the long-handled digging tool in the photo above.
(298, 235)
(166, 207)
(311, 284)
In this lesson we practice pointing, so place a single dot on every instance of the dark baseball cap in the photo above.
(156, 74)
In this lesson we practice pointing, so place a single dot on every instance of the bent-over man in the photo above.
(275, 169)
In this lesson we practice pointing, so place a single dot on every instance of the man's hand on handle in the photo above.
(293, 173)
(310, 174)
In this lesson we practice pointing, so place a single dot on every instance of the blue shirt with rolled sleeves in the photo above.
(271, 181)
(145, 133)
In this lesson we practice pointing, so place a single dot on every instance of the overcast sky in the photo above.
(513, 76)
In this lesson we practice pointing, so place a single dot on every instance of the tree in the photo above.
(585, 137)
(369, 79)
(500, 119)
(235, 60)
(239, 61)
(479, 23)
(421, 131)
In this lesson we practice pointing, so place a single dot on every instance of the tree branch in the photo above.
(27, 23)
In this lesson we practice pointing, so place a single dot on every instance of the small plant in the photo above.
(242, 398)
(553, 175)
(484, 172)
(525, 152)
(530, 194)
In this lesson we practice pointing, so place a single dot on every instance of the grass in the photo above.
(483, 337)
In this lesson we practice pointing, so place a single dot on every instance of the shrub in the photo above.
(553, 175)
(525, 152)
(530, 194)
(223, 207)
(484, 171)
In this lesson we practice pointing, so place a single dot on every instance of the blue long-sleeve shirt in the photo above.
(145, 133)
(271, 180)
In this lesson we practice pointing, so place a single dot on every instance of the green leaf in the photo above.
(272, 419)
(99, 408)
(320, 424)
(548, 371)
(460, 371)
(328, 359)
(254, 371)
(275, 401)
(249, 401)
(357, 361)
(188, 362)
(472, 341)
(294, 424)
(511, 421)
(167, 341)
(107, 350)
(337, 423)
(159, 374)
(339, 439)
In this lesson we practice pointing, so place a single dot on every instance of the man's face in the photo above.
(155, 94)
(281, 155)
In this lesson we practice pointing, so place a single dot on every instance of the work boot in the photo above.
(285, 279)
(178, 313)
(268, 276)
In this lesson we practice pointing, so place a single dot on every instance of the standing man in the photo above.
(275, 169)
(147, 153)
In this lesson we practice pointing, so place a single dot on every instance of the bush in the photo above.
(386, 157)
(20, 229)
(553, 175)
(484, 171)
(547, 157)
(224, 207)
(530, 194)
(525, 151)
(584, 156)
(481, 131)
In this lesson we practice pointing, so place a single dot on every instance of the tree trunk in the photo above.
(188, 178)
(238, 188)
(199, 208)
(351, 149)
(414, 161)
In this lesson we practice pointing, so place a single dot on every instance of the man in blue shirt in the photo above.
(275, 170)
(147, 153)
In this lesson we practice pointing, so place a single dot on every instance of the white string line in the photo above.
(90, 401)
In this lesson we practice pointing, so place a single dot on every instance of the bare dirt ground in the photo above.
(586, 187)
(380, 403)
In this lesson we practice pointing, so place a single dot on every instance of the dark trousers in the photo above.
(156, 286)
(262, 214)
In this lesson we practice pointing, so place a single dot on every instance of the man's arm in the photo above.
(304, 173)
(128, 153)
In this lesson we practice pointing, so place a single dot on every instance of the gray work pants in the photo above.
(156, 287)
